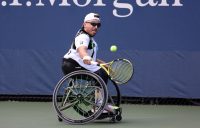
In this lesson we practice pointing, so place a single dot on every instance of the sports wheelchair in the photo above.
(76, 98)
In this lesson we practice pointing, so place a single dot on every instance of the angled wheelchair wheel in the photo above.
(74, 97)
(114, 99)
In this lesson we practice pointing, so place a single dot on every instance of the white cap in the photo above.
(92, 16)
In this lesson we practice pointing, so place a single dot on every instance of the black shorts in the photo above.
(70, 65)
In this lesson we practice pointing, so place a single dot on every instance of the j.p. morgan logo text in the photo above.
(118, 5)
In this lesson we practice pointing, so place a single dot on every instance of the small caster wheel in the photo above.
(118, 117)
(59, 119)
(113, 120)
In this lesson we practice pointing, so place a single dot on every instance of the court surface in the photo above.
(14, 114)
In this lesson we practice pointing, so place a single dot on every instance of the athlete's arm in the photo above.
(82, 50)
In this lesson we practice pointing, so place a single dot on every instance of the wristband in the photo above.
(87, 58)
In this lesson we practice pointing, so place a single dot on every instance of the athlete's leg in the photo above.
(98, 94)
(70, 65)
(103, 75)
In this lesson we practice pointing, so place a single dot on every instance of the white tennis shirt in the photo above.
(83, 40)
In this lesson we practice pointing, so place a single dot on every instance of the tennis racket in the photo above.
(119, 70)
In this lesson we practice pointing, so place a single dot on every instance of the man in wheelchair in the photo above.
(84, 50)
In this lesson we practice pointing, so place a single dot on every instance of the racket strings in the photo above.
(121, 71)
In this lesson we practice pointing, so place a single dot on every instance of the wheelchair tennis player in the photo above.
(84, 50)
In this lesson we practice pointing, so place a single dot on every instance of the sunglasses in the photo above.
(95, 24)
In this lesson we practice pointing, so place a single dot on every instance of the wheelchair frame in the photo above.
(75, 98)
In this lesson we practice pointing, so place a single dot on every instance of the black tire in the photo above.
(74, 97)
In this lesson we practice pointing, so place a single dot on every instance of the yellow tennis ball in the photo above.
(113, 48)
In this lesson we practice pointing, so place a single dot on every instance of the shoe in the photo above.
(111, 108)
(104, 111)
(108, 108)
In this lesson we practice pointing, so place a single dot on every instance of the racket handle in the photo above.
(94, 63)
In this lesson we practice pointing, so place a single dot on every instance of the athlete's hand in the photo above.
(87, 60)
